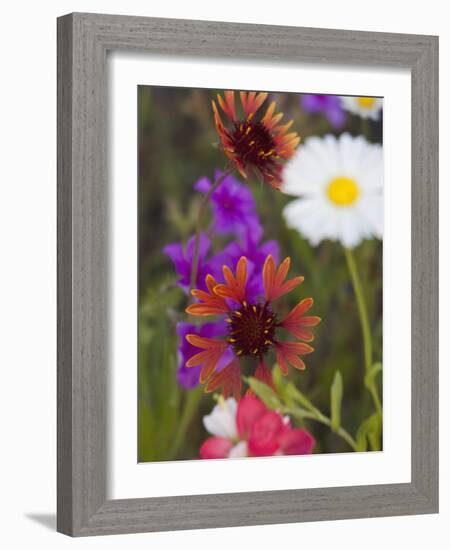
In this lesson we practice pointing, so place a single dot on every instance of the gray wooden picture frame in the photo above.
(83, 42)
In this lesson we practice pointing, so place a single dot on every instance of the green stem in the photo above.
(362, 309)
(364, 320)
(319, 417)
(201, 214)
(376, 399)
(190, 406)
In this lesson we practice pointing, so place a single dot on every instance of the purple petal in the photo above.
(336, 116)
(188, 377)
(328, 105)
(312, 103)
(203, 248)
(252, 236)
(202, 185)
(175, 252)
(233, 205)
(271, 248)
(183, 261)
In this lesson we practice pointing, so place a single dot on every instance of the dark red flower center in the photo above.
(252, 328)
(253, 142)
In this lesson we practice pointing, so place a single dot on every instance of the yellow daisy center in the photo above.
(366, 102)
(343, 191)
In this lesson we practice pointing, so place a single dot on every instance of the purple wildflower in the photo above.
(234, 212)
(182, 261)
(234, 209)
(188, 377)
(328, 105)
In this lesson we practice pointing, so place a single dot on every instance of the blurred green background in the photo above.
(176, 148)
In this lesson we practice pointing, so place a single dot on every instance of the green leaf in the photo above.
(265, 393)
(300, 413)
(336, 399)
(159, 393)
(278, 382)
(294, 394)
(371, 374)
(190, 406)
(369, 432)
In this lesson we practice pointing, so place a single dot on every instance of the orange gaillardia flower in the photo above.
(253, 327)
(255, 143)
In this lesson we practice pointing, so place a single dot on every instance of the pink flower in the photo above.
(251, 429)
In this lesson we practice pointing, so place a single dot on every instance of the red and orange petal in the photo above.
(251, 102)
(234, 286)
(288, 353)
(213, 351)
(228, 379)
(286, 143)
(228, 106)
(274, 279)
(226, 141)
(211, 304)
(295, 321)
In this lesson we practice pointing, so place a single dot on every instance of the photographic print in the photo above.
(260, 226)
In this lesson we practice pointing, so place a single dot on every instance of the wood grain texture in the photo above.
(83, 41)
(64, 300)
(425, 274)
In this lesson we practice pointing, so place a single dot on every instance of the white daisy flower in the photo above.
(340, 185)
(365, 107)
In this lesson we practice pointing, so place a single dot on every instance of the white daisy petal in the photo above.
(372, 209)
(221, 422)
(294, 181)
(350, 230)
(339, 185)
